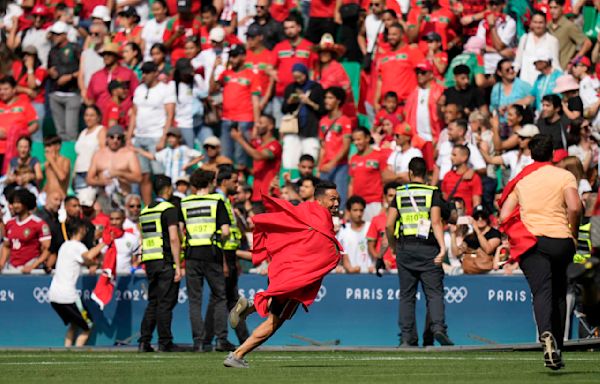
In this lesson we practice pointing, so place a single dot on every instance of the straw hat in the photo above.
(327, 43)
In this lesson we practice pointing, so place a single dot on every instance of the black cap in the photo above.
(480, 211)
(237, 50)
(128, 12)
(254, 30)
(115, 84)
(432, 36)
(149, 66)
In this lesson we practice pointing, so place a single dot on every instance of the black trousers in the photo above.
(432, 281)
(211, 269)
(545, 267)
(162, 298)
(232, 295)
(317, 26)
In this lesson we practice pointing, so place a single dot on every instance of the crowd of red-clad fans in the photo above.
(97, 96)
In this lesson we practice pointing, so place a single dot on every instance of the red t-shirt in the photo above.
(266, 170)
(285, 57)
(376, 233)
(191, 28)
(87, 7)
(238, 89)
(333, 132)
(365, 171)
(438, 21)
(396, 69)
(280, 9)
(205, 42)
(98, 87)
(466, 189)
(259, 62)
(118, 112)
(40, 74)
(322, 8)
(24, 239)
(122, 37)
(172, 7)
(16, 118)
(396, 116)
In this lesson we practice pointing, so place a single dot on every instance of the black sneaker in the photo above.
(406, 344)
(207, 347)
(171, 347)
(442, 338)
(225, 346)
(145, 347)
(552, 356)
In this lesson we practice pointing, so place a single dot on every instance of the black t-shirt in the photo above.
(558, 130)
(575, 104)
(436, 201)
(471, 98)
(207, 251)
(169, 217)
(473, 242)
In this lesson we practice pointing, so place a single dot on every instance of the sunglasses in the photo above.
(375, 4)
(420, 72)
(479, 217)
(260, 6)
(208, 146)
(115, 137)
(135, 206)
(509, 69)
(95, 34)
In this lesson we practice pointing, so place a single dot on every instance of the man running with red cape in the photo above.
(299, 243)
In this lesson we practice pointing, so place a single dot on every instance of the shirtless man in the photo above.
(57, 168)
(213, 157)
(115, 167)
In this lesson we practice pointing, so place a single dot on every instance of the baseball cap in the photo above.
(237, 50)
(59, 28)
(115, 84)
(174, 131)
(87, 196)
(425, 66)
(101, 12)
(582, 60)
(432, 36)
(116, 130)
(128, 12)
(216, 34)
(480, 211)
(213, 140)
(149, 67)
(403, 129)
(542, 56)
(254, 30)
(528, 130)
(40, 10)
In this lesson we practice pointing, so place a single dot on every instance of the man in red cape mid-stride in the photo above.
(300, 244)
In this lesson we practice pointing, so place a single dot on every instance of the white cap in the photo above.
(217, 34)
(59, 28)
(528, 130)
(212, 140)
(87, 196)
(101, 12)
(542, 56)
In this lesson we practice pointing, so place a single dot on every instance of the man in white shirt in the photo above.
(36, 35)
(588, 90)
(152, 115)
(128, 246)
(397, 170)
(372, 27)
(353, 238)
(457, 131)
(206, 59)
(133, 208)
(63, 296)
(498, 30)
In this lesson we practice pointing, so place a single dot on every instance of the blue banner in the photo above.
(352, 310)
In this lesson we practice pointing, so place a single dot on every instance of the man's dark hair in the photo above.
(25, 138)
(461, 69)
(68, 199)
(74, 224)
(463, 124)
(201, 179)
(558, 2)
(391, 94)
(24, 197)
(464, 149)
(418, 167)
(542, 147)
(8, 80)
(323, 187)
(223, 175)
(209, 8)
(161, 182)
(313, 179)
(390, 12)
(362, 129)
(269, 117)
(540, 13)
(397, 25)
(554, 100)
(52, 140)
(355, 200)
(306, 157)
(391, 185)
(293, 17)
(338, 93)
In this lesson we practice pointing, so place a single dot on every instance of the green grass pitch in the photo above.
(295, 367)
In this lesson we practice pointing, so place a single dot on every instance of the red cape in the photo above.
(300, 244)
(519, 237)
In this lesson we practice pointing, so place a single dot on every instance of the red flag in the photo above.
(519, 237)
(299, 241)
(105, 286)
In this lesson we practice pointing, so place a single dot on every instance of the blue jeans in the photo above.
(232, 149)
(187, 134)
(339, 175)
(204, 132)
(40, 109)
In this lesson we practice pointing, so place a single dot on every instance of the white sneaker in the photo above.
(239, 312)
(233, 362)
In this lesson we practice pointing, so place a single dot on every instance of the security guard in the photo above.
(207, 227)
(584, 244)
(160, 241)
(227, 184)
(415, 220)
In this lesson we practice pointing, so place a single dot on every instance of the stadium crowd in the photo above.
(99, 96)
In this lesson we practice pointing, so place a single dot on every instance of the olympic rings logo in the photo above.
(321, 294)
(40, 294)
(455, 294)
